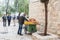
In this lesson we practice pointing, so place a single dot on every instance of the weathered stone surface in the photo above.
(10, 33)
(36, 36)
(37, 11)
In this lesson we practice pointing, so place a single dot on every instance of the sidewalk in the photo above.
(10, 33)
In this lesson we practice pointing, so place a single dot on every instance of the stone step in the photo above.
(36, 36)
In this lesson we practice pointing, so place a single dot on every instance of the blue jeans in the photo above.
(20, 29)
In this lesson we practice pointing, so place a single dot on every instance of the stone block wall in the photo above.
(37, 11)
(54, 16)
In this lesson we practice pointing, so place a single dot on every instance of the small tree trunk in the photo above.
(7, 6)
(46, 18)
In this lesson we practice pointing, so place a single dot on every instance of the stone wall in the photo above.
(37, 11)
(54, 16)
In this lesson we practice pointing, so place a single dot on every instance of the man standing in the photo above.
(9, 19)
(4, 20)
(14, 19)
(21, 22)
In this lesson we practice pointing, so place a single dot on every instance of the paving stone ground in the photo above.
(10, 33)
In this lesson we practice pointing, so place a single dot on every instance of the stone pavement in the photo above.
(10, 33)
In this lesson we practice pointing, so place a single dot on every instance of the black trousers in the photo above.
(9, 21)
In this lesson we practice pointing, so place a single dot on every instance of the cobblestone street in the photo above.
(10, 33)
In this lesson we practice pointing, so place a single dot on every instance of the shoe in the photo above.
(18, 33)
(21, 34)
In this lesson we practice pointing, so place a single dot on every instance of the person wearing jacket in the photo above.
(4, 20)
(14, 19)
(21, 22)
(9, 19)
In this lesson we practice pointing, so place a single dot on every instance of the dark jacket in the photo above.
(4, 18)
(8, 17)
(22, 19)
